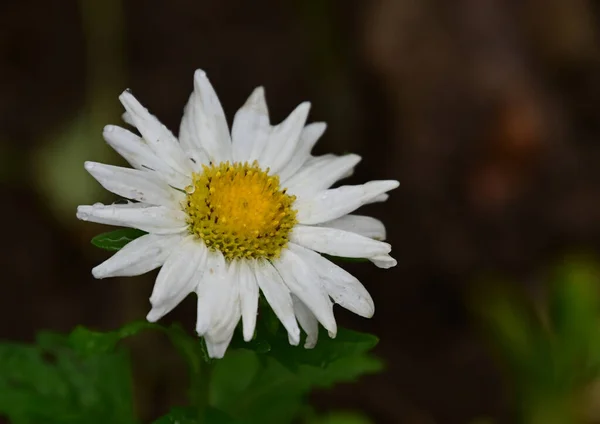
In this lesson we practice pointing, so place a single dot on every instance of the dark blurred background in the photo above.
(485, 110)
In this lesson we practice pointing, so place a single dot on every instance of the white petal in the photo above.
(143, 254)
(337, 242)
(331, 204)
(133, 149)
(218, 303)
(152, 219)
(204, 124)
(126, 117)
(364, 225)
(379, 199)
(140, 156)
(384, 261)
(307, 321)
(303, 282)
(283, 140)
(308, 138)
(226, 309)
(321, 175)
(343, 287)
(217, 349)
(278, 296)
(142, 186)
(248, 299)
(188, 135)
(214, 280)
(162, 142)
(312, 160)
(250, 129)
(178, 277)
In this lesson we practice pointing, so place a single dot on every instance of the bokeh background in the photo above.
(485, 110)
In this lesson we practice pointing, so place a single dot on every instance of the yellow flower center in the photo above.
(240, 210)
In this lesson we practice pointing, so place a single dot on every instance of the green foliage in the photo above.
(52, 382)
(117, 239)
(190, 415)
(85, 376)
(552, 349)
(338, 418)
(272, 386)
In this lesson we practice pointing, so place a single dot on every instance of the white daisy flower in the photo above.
(232, 214)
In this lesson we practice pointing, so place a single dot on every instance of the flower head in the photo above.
(229, 215)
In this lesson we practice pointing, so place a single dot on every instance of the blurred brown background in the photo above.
(485, 110)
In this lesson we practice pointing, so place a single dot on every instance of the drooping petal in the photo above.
(226, 309)
(138, 257)
(142, 186)
(334, 203)
(203, 126)
(278, 296)
(343, 287)
(226, 314)
(283, 140)
(162, 142)
(209, 284)
(320, 176)
(303, 282)
(152, 219)
(250, 129)
(337, 242)
(248, 299)
(307, 321)
(177, 277)
(216, 349)
(364, 225)
(308, 138)
(218, 304)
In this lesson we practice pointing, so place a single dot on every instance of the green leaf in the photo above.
(231, 376)
(179, 416)
(272, 385)
(90, 342)
(190, 347)
(51, 383)
(116, 240)
(189, 415)
(514, 329)
(575, 309)
(338, 417)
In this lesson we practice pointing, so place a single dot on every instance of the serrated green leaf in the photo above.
(116, 240)
(191, 348)
(272, 386)
(52, 383)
